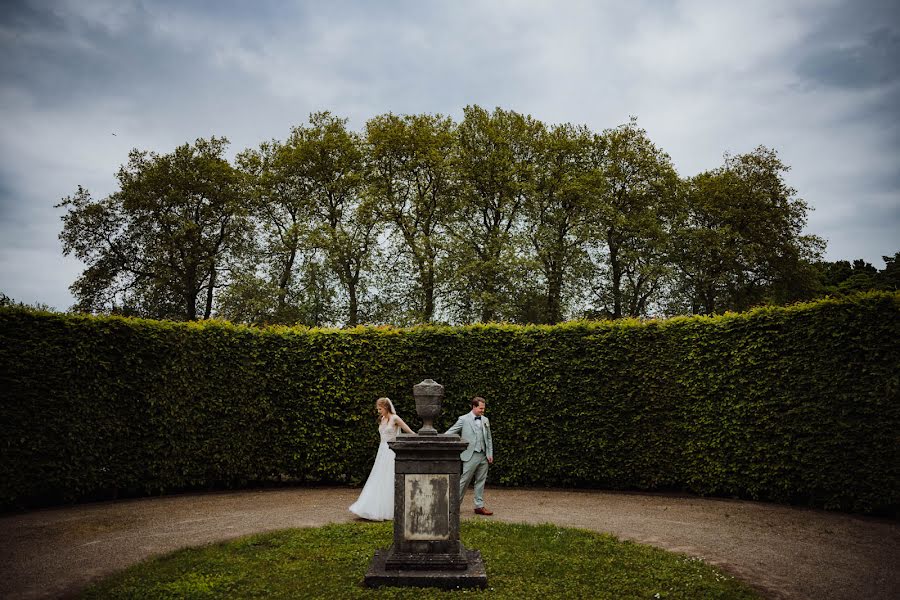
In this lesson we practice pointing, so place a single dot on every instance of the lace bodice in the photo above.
(388, 430)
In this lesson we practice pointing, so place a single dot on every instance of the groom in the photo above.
(474, 428)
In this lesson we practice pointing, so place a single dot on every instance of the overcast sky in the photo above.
(82, 82)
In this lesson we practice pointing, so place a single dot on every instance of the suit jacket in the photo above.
(465, 428)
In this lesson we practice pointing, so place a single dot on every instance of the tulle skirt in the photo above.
(376, 501)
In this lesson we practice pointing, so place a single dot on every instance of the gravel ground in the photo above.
(782, 551)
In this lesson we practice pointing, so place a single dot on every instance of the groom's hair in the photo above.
(478, 400)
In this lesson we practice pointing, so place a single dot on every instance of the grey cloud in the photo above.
(855, 51)
(870, 234)
(855, 46)
(31, 223)
(165, 72)
(25, 16)
(63, 60)
(873, 61)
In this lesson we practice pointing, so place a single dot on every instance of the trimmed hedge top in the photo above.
(790, 404)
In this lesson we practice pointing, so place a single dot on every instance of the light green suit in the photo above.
(475, 456)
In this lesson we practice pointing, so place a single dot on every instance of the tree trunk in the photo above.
(709, 301)
(352, 281)
(616, 281)
(428, 291)
(209, 292)
(354, 305)
(488, 307)
(190, 296)
(285, 278)
(554, 293)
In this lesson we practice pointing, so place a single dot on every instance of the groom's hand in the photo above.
(490, 460)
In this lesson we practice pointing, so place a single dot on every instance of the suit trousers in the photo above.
(477, 468)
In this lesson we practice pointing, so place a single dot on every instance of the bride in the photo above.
(376, 501)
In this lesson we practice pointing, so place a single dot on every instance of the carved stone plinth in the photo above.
(472, 576)
(427, 551)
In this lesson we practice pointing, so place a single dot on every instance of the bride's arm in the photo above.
(402, 425)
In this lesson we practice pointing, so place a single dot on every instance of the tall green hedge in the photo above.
(796, 404)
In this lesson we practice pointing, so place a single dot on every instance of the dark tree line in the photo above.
(843, 277)
(421, 219)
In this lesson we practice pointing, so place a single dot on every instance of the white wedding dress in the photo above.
(376, 501)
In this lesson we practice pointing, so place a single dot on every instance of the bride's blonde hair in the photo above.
(386, 403)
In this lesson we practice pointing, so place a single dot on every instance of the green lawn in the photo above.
(522, 561)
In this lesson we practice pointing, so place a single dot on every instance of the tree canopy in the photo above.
(419, 218)
(159, 245)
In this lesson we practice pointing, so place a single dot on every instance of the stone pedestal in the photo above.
(474, 576)
(427, 551)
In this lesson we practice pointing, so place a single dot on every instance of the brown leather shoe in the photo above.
(483, 511)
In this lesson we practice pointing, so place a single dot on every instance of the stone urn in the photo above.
(428, 395)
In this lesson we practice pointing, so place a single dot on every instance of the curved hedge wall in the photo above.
(796, 404)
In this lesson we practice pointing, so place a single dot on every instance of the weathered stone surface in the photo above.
(420, 467)
(420, 462)
(446, 555)
(428, 396)
(427, 507)
(472, 576)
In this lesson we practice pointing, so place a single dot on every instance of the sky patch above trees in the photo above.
(83, 84)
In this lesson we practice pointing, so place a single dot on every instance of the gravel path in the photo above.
(782, 551)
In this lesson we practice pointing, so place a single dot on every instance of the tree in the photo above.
(499, 217)
(411, 182)
(158, 245)
(633, 217)
(843, 277)
(40, 306)
(741, 242)
(495, 165)
(889, 277)
(558, 212)
(282, 279)
(343, 222)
